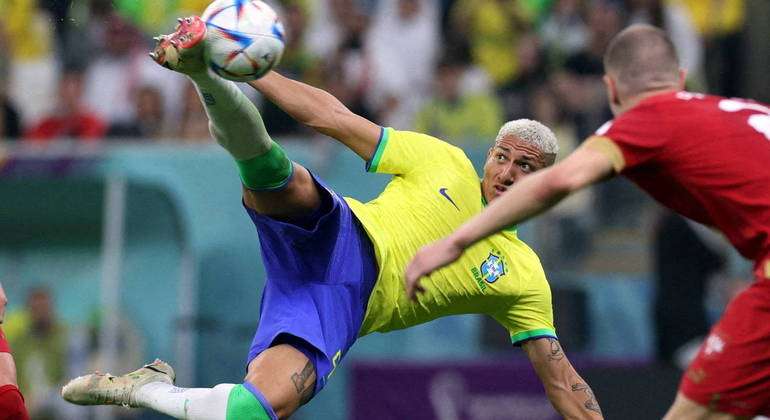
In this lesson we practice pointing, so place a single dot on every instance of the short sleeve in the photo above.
(527, 323)
(640, 134)
(402, 152)
(530, 315)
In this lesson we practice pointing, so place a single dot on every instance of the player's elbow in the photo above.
(330, 116)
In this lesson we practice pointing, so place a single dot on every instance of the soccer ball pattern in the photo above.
(244, 38)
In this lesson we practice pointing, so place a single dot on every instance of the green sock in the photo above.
(237, 126)
(269, 171)
(234, 121)
(243, 405)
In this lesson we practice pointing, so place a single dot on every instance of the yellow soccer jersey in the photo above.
(434, 190)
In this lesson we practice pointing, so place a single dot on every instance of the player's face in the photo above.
(507, 161)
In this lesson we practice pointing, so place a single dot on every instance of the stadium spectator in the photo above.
(71, 118)
(121, 69)
(674, 18)
(33, 65)
(152, 15)
(516, 95)
(11, 400)
(297, 62)
(401, 47)
(579, 83)
(492, 29)
(110, 96)
(40, 344)
(330, 22)
(149, 121)
(10, 120)
(346, 71)
(720, 23)
(564, 31)
(456, 116)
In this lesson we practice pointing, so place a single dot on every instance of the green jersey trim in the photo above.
(372, 165)
(528, 335)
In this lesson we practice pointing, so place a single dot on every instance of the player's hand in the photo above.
(427, 260)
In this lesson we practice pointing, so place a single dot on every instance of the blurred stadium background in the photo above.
(122, 237)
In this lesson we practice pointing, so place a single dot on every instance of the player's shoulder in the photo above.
(439, 151)
(651, 115)
(423, 140)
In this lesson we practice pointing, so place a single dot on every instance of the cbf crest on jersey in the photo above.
(489, 271)
(492, 268)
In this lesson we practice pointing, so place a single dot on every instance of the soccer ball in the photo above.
(244, 38)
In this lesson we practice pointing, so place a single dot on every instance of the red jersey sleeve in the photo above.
(639, 133)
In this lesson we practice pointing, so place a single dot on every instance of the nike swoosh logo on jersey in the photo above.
(443, 192)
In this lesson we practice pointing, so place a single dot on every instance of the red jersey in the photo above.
(706, 157)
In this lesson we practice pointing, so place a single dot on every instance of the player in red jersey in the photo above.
(706, 157)
(11, 401)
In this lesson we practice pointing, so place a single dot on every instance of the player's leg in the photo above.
(278, 381)
(566, 390)
(686, 409)
(730, 376)
(11, 401)
(285, 376)
(274, 185)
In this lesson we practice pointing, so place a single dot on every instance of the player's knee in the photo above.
(247, 403)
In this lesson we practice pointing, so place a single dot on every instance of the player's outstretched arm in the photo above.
(530, 196)
(568, 392)
(321, 111)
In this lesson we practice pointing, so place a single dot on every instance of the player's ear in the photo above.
(682, 78)
(612, 89)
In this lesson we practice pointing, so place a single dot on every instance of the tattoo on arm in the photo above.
(590, 403)
(304, 390)
(555, 354)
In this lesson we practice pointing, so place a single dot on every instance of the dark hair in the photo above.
(642, 58)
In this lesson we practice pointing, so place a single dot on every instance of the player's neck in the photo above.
(633, 101)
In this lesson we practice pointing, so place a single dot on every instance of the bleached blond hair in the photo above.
(532, 132)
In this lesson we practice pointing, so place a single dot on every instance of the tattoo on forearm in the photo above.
(555, 354)
(300, 379)
(590, 403)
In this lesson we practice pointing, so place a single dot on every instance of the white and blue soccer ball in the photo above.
(244, 38)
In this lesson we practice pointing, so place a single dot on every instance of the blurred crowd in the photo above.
(456, 69)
